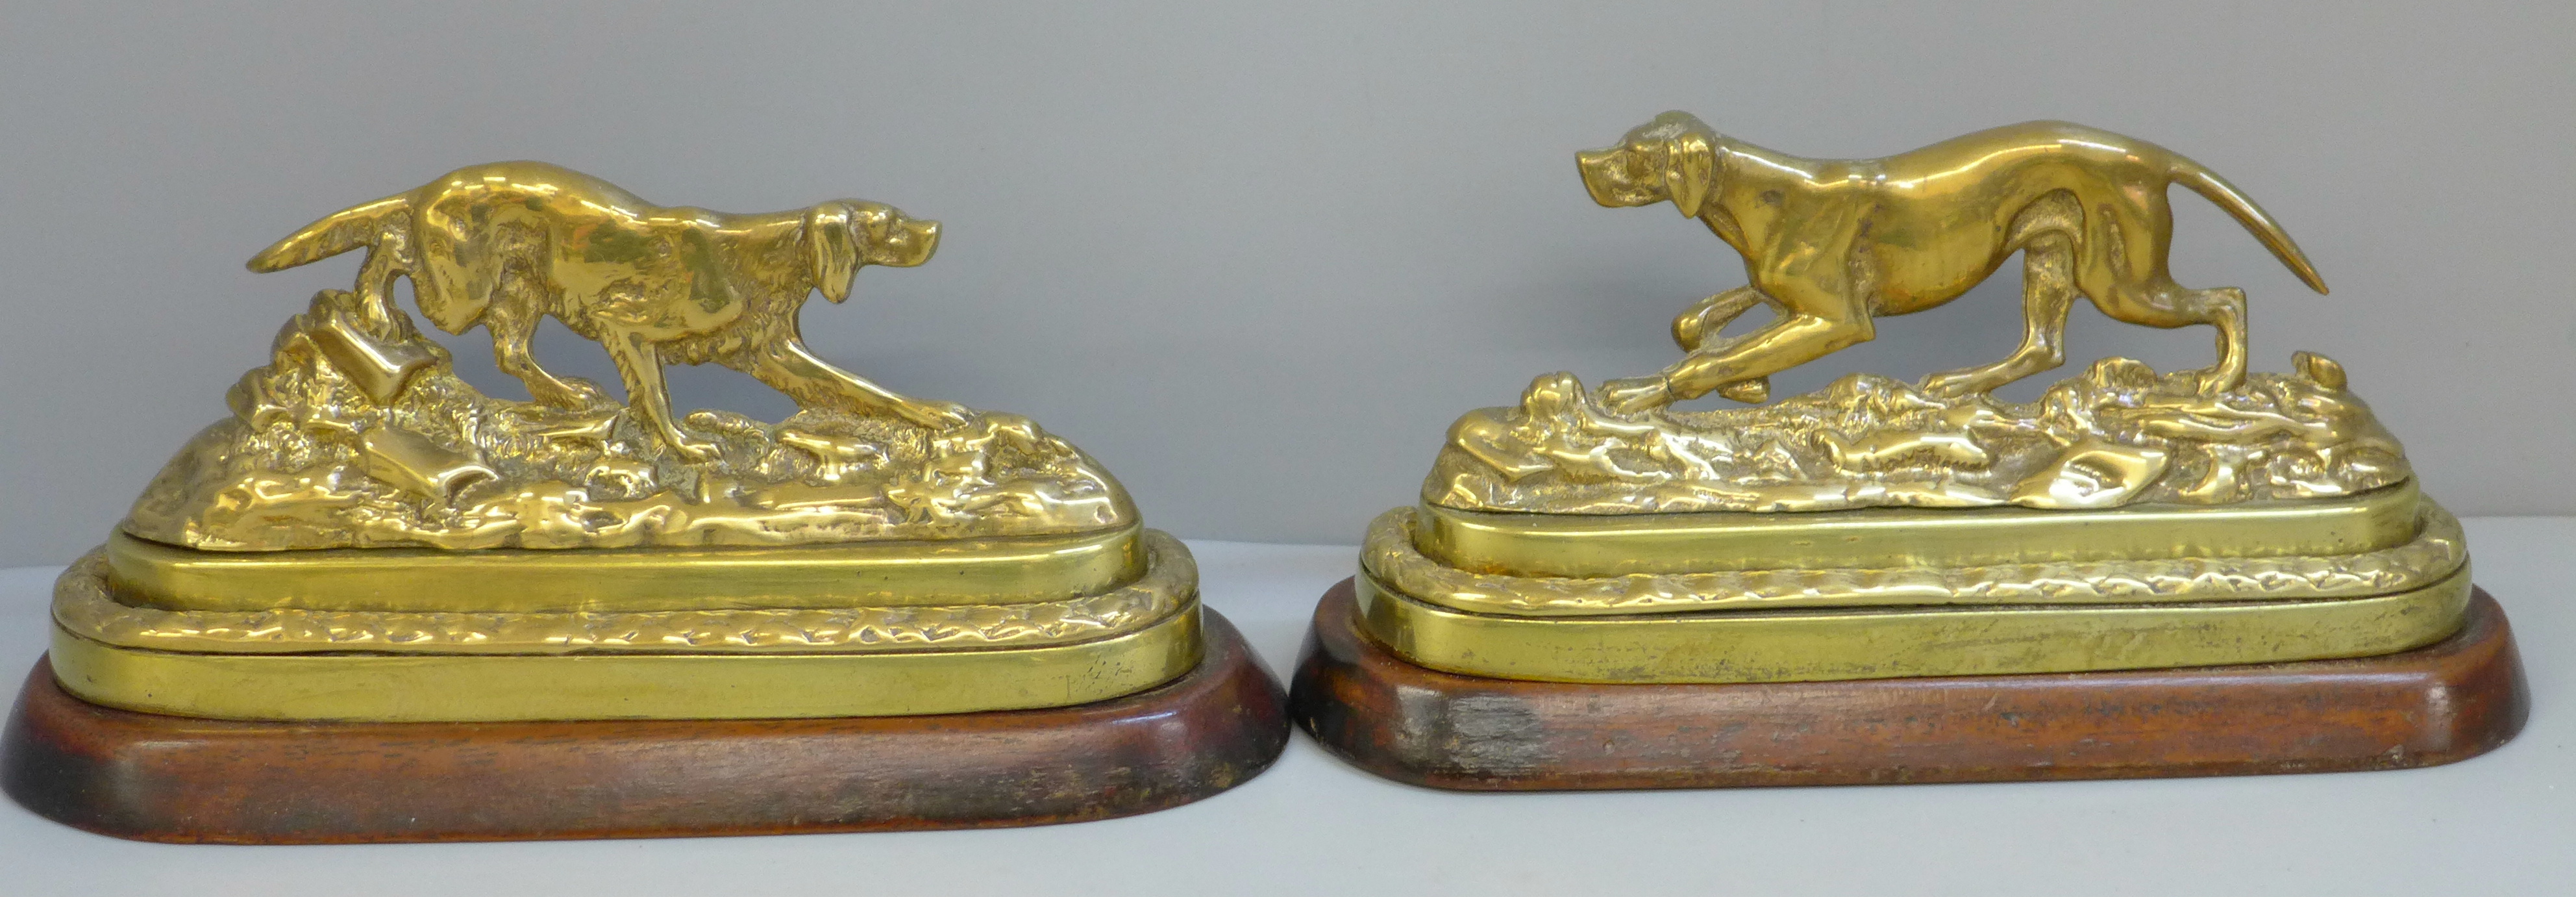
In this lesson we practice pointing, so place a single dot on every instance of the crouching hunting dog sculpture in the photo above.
(505, 244)
(1833, 243)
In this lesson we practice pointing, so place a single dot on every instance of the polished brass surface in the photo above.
(439, 688)
(86, 605)
(506, 580)
(1869, 643)
(2437, 550)
(1831, 244)
(1582, 545)
(359, 434)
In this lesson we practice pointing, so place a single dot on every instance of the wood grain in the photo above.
(2439, 704)
(166, 778)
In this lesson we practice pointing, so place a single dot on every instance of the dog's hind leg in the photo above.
(2223, 308)
(2122, 268)
(2047, 294)
(390, 256)
(814, 383)
(2159, 302)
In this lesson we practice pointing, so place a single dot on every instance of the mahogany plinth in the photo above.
(166, 778)
(2442, 703)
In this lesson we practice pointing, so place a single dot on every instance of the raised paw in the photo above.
(1630, 395)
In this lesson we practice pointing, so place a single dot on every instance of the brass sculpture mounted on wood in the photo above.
(375, 604)
(368, 537)
(2127, 519)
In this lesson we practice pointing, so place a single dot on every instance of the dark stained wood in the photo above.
(2439, 704)
(166, 778)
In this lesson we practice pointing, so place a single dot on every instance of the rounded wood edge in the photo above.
(2442, 703)
(182, 780)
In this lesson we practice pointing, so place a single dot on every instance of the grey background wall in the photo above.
(1255, 257)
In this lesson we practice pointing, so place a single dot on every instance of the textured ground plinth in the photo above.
(2118, 434)
(363, 436)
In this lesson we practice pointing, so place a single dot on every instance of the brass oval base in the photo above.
(167, 778)
(1874, 643)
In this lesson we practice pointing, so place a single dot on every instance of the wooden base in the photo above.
(2442, 703)
(168, 778)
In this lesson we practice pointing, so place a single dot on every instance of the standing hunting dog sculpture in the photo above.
(1834, 243)
(506, 244)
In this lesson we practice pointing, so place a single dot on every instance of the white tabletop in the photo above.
(2504, 823)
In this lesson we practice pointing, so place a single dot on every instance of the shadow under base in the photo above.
(2442, 703)
(179, 779)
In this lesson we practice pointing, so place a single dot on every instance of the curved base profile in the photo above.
(179, 779)
(2442, 703)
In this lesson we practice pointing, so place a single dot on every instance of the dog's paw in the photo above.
(1630, 395)
(1750, 392)
(1948, 386)
(570, 394)
(938, 415)
(2215, 382)
(695, 450)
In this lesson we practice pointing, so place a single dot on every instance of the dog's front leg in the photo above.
(512, 329)
(640, 365)
(814, 383)
(1708, 316)
(1820, 315)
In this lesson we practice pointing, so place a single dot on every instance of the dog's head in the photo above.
(1673, 157)
(842, 235)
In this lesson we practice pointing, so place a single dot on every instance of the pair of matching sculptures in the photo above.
(375, 604)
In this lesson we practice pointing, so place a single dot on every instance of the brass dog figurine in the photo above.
(505, 244)
(1833, 243)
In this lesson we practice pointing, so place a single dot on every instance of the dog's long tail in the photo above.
(336, 233)
(2207, 183)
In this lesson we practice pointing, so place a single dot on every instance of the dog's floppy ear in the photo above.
(831, 249)
(1690, 170)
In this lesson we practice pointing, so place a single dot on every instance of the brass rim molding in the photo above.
(1591, 545)
(720, 664)
(981, 571)
(2437, 548)
(1817, 624)
(1874, 643)
(488, 688)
